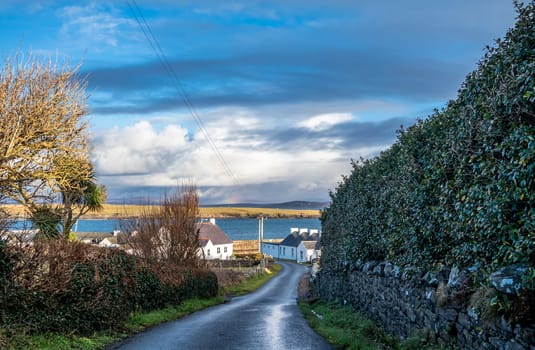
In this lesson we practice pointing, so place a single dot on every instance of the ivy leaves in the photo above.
(457, 187)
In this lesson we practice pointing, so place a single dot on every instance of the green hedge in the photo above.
(61, 286)
(457, 187)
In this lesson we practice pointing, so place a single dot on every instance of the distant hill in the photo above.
(296, 205)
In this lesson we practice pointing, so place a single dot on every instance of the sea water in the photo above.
(236, 229)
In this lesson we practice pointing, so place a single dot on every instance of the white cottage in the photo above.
(300, 246)
(215, 244)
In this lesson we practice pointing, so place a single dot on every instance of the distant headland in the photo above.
(297, 209)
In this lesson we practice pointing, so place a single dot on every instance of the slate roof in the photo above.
(312, 245)
(209, 231)
(294, 239)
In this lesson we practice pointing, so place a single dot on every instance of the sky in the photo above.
(252, 101)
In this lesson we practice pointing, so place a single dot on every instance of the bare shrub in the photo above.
(229, 277)
(168, 233)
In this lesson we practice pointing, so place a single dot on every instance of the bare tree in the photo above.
(5, 219)
(43, 139)
(167, 233)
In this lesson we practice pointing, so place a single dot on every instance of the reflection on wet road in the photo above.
(266, 319)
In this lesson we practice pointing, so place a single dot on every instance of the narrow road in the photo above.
(266, 319)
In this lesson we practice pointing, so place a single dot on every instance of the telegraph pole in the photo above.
(260, 239)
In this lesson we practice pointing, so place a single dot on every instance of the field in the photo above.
(117, 211)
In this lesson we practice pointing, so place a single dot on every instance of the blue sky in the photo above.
(288, 91)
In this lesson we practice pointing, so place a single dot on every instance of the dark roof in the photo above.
(311, 245)
(209, 231)
(294, 239)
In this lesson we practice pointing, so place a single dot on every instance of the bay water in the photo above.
(236, 229)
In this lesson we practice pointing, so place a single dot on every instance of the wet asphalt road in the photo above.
(266, 319)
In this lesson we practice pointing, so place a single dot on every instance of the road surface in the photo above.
(266, 319)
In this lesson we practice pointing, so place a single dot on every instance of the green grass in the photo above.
(347, 329)
(51, 341)
(141, 321)
(252, 283)
(137, 323)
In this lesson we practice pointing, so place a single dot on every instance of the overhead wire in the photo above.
(170, 71)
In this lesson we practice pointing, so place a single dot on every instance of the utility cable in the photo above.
(169, 70)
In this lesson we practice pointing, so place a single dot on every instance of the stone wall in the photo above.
(407, 300)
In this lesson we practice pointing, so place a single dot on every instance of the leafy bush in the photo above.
(74, 287)
(456, 188)
(148, 290)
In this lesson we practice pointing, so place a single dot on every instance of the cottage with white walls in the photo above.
(215, 244)
(300, 246)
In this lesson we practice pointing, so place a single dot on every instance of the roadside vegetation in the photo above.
(57, 292)
(456, 189)
(250, 283)
(347, 329)
(137, 321)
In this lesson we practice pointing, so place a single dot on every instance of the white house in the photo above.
(107, 242)
(215, 244)
(300, 246)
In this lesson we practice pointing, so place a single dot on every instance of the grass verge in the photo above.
(252, 283)
(50, 341)
(347, 329)
(137, 323)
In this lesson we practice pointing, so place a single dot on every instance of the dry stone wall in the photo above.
(407, 300)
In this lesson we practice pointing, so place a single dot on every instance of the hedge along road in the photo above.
(268, 318)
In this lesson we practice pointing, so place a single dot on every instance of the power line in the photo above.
(151, 38)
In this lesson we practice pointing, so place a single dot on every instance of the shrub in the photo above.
(62, 286)
(458, 187)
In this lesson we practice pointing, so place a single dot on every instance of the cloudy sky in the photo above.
(253, 101)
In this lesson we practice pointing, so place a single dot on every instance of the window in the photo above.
(301, 255)
(224, 249)
(292, 252)
(218, 250)
(208, 252)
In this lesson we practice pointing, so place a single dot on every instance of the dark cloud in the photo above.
(269, 192)
(271, 79)
(280, 63)
(347, 136)
(250, 54)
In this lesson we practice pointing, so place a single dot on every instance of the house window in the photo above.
(283, 250)
(302, 255)
(218, 250)
(224, 249)
(208, 252)
(292, 252)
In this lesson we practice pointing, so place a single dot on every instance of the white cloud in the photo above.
(139, 149)
(93, 25)
(325, 121)
(142, 156)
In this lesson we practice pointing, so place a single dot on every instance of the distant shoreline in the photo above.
(116, 211)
